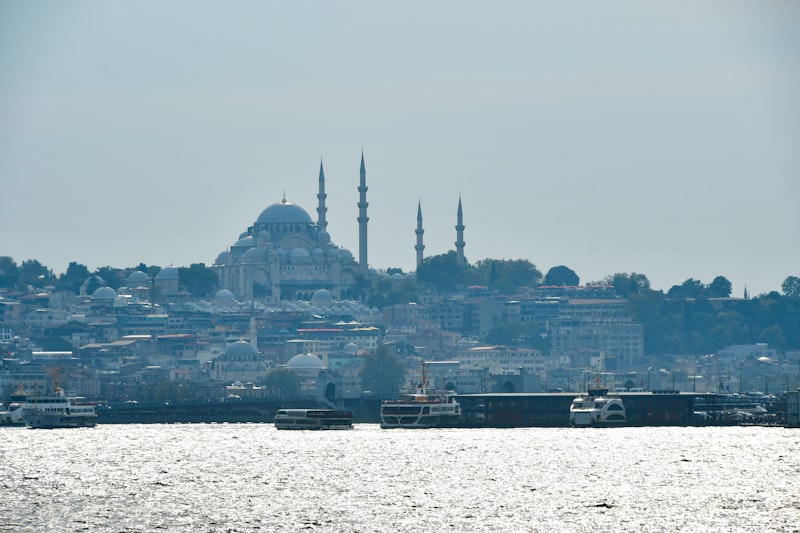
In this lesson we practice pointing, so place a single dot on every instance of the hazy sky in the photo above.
(661, 138)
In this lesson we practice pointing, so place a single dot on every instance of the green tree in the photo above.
(719, 288)
(74, 277)
(382, 373)
(114, 277)
(561, 275)
(283, 382)
(790, 287)
(444, 274)
(691, 288)
(508, 276)
(627, 284)
(9, 272)
(32, 272)
(197, 279)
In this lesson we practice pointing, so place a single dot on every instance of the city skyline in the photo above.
(621, 138)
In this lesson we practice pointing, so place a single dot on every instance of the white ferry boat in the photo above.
(58, 411)
(313, 419)
(422, 409)
(597, 410)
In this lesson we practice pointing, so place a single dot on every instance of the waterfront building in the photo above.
(504, 359)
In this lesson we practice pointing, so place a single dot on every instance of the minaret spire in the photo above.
(460, 235)
(419, 231)
(362, 217)
(322, 223)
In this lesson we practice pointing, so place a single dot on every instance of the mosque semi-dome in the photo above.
(255, 255)
(245, 242)
(284, 213)
(299, 253)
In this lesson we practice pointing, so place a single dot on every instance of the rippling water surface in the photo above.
(251, 477)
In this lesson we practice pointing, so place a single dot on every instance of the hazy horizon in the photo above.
(617, 137)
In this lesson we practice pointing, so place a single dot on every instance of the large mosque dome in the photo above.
(284, 213)
(288, 255)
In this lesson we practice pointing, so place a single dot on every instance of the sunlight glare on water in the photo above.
(251, 477)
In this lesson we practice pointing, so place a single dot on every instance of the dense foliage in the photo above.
(698, 325)
(382, 373)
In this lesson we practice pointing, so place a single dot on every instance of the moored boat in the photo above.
(424, 408)
(597, 409)
(314, 419)
(58, 411)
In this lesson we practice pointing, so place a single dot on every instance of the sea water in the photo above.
(251, 477)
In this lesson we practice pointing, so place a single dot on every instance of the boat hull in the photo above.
(45, 421)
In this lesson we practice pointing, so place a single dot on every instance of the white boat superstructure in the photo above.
(12, 415)
(313, 419)
(423, 409)
(597, 410)
(58, 411)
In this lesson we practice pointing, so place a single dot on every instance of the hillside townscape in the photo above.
(146, 333)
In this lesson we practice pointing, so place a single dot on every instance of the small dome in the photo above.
(222, 257)
(297, 253)
(241, 348)
(255, 255)
(343, 252)
(138, 278)
(324, 237)
(351, 347)
(322, 298)
(170, 272)
(305, 362)
(104, 293)
(284, 213)
(245, 242)
(397, 276)
(318, 252)
(224, 294)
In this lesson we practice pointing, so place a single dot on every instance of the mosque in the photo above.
(286, 255)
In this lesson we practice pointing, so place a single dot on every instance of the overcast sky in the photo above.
(660, 138)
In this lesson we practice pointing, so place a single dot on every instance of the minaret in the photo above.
(419, 231)
(322, 224)
(460, 235)
(362, 217)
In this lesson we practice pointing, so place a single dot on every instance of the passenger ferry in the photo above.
(422, 409)
(597, 410)
(313, 419)
(58, 411)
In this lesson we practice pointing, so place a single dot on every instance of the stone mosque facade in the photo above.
(286, 255)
